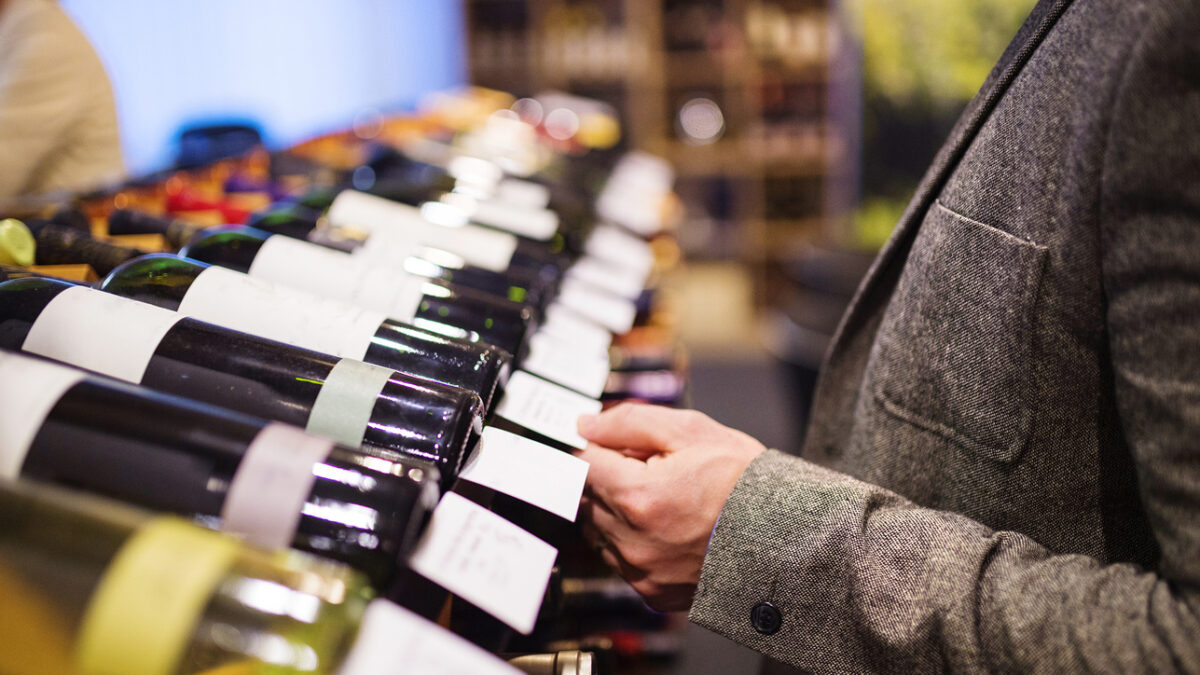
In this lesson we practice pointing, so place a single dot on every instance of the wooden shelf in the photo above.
(755, 151)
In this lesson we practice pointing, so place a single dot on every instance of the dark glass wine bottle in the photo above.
(176, 231)
(391, 224)
(266, 481)
(61, 245)
(96, 587)
(349, 401)
(441, 308)
(517, 285)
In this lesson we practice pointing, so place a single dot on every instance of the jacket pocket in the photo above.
(954, 351)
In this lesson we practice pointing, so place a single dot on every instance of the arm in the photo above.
(865, 580)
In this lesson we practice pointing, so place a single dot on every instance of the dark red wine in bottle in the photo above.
(352, 402)
(438, 307)
(267, 481)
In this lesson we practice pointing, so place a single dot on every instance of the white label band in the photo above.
(394, 641)
(338, 276)
(546, 408)
(486, 560)
(259, 307)
(564, 363)
(567, 325)
(613, 312)
(343, 406)
(271, 485)
(29, 390)
(99, 331)
(396, 230)
(534, 473)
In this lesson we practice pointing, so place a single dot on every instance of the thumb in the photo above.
(631, 426)
(609, 470)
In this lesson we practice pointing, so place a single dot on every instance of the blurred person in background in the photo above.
(58, 122)
(1002, 471)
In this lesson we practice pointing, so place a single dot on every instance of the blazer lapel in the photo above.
(872, 291)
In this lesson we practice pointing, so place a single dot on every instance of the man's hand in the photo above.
(658, 480)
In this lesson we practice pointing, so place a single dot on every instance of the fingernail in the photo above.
(586, 423)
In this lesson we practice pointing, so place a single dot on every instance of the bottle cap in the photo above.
(16, 243)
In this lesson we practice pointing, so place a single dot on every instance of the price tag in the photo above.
(545, 407)
(538, 474)
(394, 641)
(486, 560)
(613, 312)
(567, 364)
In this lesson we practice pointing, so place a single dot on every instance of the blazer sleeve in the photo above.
(865, 581)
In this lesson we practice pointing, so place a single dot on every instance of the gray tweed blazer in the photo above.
(1005, 447)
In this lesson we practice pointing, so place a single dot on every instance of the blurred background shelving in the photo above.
(739, 95)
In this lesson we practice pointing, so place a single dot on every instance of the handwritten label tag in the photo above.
(486, 560)
(538, 474)
(565, 363)
(394, 641)
(613, 312)
(545, 407)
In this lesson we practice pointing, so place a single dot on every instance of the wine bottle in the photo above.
(427, 354)
(348, 401)
(93, 587)
(237, 301)
(300, 222)
(394, 230)
(441, 308)
(176, 231)
(517, 285)
(268, 482)
(60, 245)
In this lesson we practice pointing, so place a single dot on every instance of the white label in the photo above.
(613, 312)
(99, 331)
(568, 364)
(534, 223)
(613, 278)
(394, 641)
(546, 408)
(338, 276)
(343, 406)
(272, 482)
(523, 192)
(569, 326)
(29, 389)
(486, 560)
(614, 245)
(258, 307)
(548, 478)
(396, 230)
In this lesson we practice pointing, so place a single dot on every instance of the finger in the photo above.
(609, 471)
(632, 426)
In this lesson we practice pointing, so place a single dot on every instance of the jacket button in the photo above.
(766, 618)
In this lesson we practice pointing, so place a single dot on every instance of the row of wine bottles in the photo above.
(330, 380)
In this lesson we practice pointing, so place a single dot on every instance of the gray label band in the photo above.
(343, 407)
